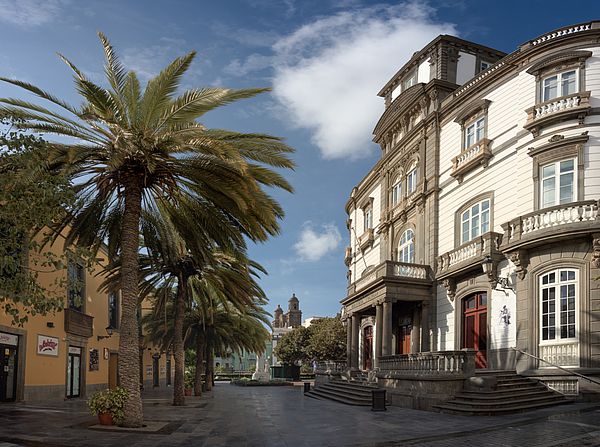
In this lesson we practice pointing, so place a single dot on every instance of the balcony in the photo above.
(469, 255)
(558, 109)
(477, 154)
(392, 272)
(550, 224)
(78, 323)
(366, 239)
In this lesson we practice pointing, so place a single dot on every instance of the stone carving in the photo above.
(596, 250)
(519, 259)
(450, 285)
(555, 138)
(262, 369)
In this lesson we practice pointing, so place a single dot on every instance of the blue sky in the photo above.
(326, 61)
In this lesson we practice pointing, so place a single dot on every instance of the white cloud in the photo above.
(27, 13)
(314, 244)
(327, 73)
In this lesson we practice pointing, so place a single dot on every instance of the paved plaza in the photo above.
(282, 416)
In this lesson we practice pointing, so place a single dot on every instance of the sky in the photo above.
(325, 61)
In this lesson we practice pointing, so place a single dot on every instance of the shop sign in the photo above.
(47, 345)
(9, 339)
(74, 350)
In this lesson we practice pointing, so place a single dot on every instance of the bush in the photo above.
(109, 401)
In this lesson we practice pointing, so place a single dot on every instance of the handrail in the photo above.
(559, 367)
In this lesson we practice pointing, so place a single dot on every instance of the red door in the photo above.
(475, 327)
(404, 339)
(368, 347)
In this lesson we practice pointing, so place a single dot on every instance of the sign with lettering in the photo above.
(9, 339)
(74, 350)
(47, 345)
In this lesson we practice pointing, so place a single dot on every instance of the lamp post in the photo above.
(109, 331)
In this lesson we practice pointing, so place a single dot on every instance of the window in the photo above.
(558, 183)
(561, 84)
(410, 80)
(396, 192)
(411, 181)
(475, 221)
(368, 218)
(113, 310)
(558, 295)
(406, 250)
(484, 65)
(475, 132)
(76, 285)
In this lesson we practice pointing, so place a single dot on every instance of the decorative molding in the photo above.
(596, 250)
(559, 59)
(559, 141)
(474, 107)
(520, 259)
(450, 285)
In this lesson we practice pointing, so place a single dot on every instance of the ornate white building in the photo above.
(478, 227)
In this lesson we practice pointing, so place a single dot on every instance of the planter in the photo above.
(105, 419)
(187, 392)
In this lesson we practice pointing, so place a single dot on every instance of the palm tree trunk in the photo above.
(208, 380)
(199, 358)
(129, 361)
(179, 354)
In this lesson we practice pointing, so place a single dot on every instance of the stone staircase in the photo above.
(347, 392)
(508, 392)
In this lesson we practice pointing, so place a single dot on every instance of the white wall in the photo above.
(423, 72)
(466, 67)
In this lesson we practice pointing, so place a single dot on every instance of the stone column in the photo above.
(355, 328)
(349, 342)
(425, 342)
(386, 343)
(415, 336)
(378, 332)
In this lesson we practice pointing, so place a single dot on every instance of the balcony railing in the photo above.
(78, 323)
(442, 363)
(564, 107)
(556, 221)
(561, 33)
(366, 239)
(562, 354)
(331, 367)
(392, 269)
(469, 255)
(475, 155)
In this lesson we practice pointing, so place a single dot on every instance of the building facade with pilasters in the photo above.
(478, 228)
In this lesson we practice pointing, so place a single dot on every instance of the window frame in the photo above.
(411, 78)
(71, 292)
(556, 285)
(396, 191)
(407, 244)
(485, 196)
(117, 313)
(471, 217)
(559, 84)
(557, 184)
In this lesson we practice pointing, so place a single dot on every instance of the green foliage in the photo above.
(109, 401)
(32, 198)
(189, 377)
(324, 339)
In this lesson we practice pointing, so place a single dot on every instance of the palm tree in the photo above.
(130, 150)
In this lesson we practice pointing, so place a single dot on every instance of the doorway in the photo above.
(155, 370)
(404, 339)
(74, 372)
(475, 326)
(368, 347)
(8, 373)
(113, 375)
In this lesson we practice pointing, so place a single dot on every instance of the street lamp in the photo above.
(109, 331)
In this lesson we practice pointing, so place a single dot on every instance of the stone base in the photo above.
(261, 376)
(420, 393)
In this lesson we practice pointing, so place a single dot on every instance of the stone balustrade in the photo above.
(560, 219)
(392, 269)
(564, 354)
(563, 103)
(576, 105)
(475, 155)
(560, 33)
(469, 254)
(441, 363)
(331, 367)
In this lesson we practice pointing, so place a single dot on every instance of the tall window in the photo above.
(475, 220)
(406, 250)
(396, 192)
(411, 181)
(76, 285)
(113, 310)
(558, 183)
(410, 80)
(561, 84)
(558, 294)
(484, 65)
(475, 132)
(368, 218)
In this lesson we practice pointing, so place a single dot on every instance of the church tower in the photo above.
(294, 314)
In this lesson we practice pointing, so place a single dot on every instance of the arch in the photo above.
(406, 247)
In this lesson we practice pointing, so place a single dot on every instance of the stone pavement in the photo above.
(282, 416)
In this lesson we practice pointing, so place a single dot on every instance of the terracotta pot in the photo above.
(105, 419)
(187, 392)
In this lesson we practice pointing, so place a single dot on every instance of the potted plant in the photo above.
(108, 405)
(188, 382)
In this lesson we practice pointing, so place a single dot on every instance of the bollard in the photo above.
(378, 400)
(306, 387)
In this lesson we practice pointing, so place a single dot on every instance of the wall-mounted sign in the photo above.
(106, 353)
(9, 339)
(74, 350)
(94, 360)
(47, 345)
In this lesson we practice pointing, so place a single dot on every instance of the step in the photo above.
(491, 372)
(502, 397)
(453, 409)
(508, 391)
(338, 398)
(516, 382)
(345, 386)
(354, 384)
(357, 393)
(509, 403)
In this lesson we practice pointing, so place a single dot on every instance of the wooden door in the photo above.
(475, 327)
(113, 377)
(404, 339)
(8, 373)
(368, 347)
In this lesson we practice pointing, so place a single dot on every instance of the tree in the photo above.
(31, 198)
(324, 339)
(130, 150)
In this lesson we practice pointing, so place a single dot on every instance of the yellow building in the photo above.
(64, 355)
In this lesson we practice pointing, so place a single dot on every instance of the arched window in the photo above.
(406, 250)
